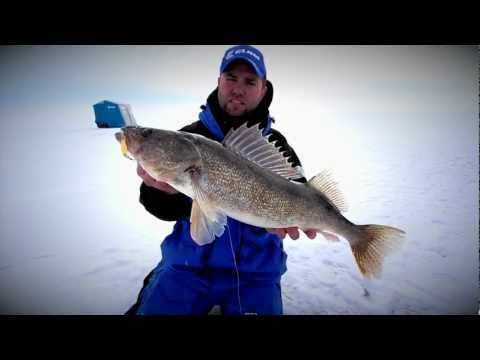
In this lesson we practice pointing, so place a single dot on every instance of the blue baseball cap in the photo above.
(247, 53)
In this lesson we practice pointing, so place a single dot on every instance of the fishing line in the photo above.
(236, 270)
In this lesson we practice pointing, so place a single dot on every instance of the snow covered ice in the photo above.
(398, 127)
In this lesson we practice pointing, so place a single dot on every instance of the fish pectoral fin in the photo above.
(206, 220)
(206, 223)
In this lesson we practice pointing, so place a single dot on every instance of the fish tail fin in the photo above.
(373, 243)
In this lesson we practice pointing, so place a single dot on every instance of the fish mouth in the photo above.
(122, 137)
(119, 136)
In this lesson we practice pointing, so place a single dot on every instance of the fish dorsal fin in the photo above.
(249, 143)
(325, 184)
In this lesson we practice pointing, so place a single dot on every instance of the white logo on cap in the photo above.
(229, 54)
(242, 51)
(253, 54)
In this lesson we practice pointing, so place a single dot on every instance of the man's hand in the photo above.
(293, 233)
(150, 181)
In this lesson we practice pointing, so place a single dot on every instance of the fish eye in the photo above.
(146, 132)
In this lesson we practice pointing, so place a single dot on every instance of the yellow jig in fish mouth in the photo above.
(123, 146)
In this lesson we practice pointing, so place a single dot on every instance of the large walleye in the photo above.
(247, 178)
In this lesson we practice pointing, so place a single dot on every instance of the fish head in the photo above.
(164, 154)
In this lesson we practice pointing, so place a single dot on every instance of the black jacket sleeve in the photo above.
(168, 207)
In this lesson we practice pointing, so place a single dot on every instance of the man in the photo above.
(241, 270)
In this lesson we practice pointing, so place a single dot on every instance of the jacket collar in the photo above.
(219, 123)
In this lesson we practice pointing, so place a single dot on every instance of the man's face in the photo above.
(240, 90)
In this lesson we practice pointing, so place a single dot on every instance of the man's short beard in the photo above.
(225, 109)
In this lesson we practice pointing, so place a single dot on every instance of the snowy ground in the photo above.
(75, 240)
(427, 189)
